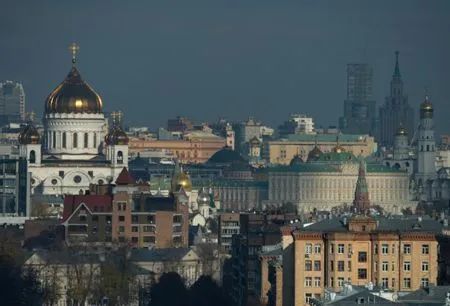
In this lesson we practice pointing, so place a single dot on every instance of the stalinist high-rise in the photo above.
(396, 110)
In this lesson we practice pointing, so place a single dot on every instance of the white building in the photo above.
(73, 151)
(305, 124)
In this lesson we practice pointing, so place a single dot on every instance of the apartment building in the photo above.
(396, 254)
(127, 212)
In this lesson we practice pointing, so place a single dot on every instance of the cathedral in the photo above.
(75, 149)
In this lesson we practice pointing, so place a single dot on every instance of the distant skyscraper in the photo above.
(359, 108)
(12, 102)
(396, 110)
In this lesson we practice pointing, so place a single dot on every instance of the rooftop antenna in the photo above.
(74, 49)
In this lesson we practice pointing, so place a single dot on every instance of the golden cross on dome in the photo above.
(74, 49)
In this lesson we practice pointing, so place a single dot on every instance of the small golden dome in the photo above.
(73, 95)
(401, 131)
(29, 135)
(116, 136)
(426, 105)
(181, 179)
(338, 149)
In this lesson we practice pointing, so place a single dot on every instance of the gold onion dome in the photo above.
(180, 179)
(29, 135)
(338, 149)
(401, 131)
(116, 136)
(426, 105)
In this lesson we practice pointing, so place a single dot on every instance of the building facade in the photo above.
(359, 108)
(396, 110)
(14, 187)
(12, 102)
(283, 151)
(399, 255)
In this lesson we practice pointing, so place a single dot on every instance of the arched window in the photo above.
(75, 140)
(120, 157)
(86, 139)
(32, 157)
(64, 140)
(54, 140)
(428, 148)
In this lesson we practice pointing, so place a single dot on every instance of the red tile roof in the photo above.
(96, 203)
(125, 178)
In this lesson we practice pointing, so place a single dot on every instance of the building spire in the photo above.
(74, 49)
(361, 203)
(397, 66)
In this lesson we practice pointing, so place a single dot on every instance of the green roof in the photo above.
(313, 167)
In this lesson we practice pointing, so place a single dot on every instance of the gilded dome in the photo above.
(73, 95)
(314, 154)
(426, 108)
(29, 135)
(180, 179)
(401, 131)
(338, 149)
(116, 136)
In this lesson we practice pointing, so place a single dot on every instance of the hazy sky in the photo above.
(204, 59)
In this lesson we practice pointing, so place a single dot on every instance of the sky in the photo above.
(205, 59)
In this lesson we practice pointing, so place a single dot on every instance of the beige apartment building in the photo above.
(396, 254)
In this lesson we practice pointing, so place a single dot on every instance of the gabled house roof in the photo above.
(95, 203)
(166, 254)
(125, 178)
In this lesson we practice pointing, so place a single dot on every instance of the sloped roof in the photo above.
(165, 254)
(436, 294)
(125, 178)
(92, 201)
(225, 156)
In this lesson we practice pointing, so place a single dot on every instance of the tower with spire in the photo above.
(361, 202)
(396, 109)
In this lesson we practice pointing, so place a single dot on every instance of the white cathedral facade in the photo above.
(75, 149)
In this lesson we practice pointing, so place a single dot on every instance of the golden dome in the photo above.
(116, 136)
(401, 131)
(29, 135)
(338, 149)
(426, 105)
(73, 95)
(181, 179)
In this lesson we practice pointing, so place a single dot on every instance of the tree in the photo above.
(209, 257)
(206, 292)
(169, 290)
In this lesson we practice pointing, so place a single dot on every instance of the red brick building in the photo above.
(127, 212)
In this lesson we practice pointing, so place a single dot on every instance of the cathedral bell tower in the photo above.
(117, 143)
(401, 147)
(30, 143)
(426, 145)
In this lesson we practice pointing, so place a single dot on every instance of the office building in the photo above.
(12, 102)
(359, 107)
(14, 187)
(396, 110)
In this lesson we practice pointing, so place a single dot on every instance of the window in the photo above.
(393, 266)
(362, 273)
(340, 282)
(331, 265)
(385, 282)
(425, 249)
(340, 266)
(384, 249)
(308, 297)
(120, 157)
(308, 248)
(424, 266)
(407, 283)
(331, 282)
(350, 250)
(308, 265)
(134, 219)
(135, 229)
(121, 206)
(177, 219)
(393, 283)
(332, 248)
(376, 248)
(33, 157)
(317, 248)
(54, 139)
(424, 282)
(134, 239)
(349, 266)
(149, 239)
(75, 140)
(385, 266)
(317, 266)
(407, 266)
(64, 140)
(83, 218)
(121, 218)
(86, 138)
(148, 229)
(406, 249)
(341, 249)
(308, 281)
(393, 249)
(316, 281)
(362, 256)
(95, 140)
(121, 229)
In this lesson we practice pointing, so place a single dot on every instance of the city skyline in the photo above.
(171, 59)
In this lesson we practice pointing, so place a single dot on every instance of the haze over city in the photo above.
(205, 59)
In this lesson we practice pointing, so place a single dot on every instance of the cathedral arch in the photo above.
(76, 177)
